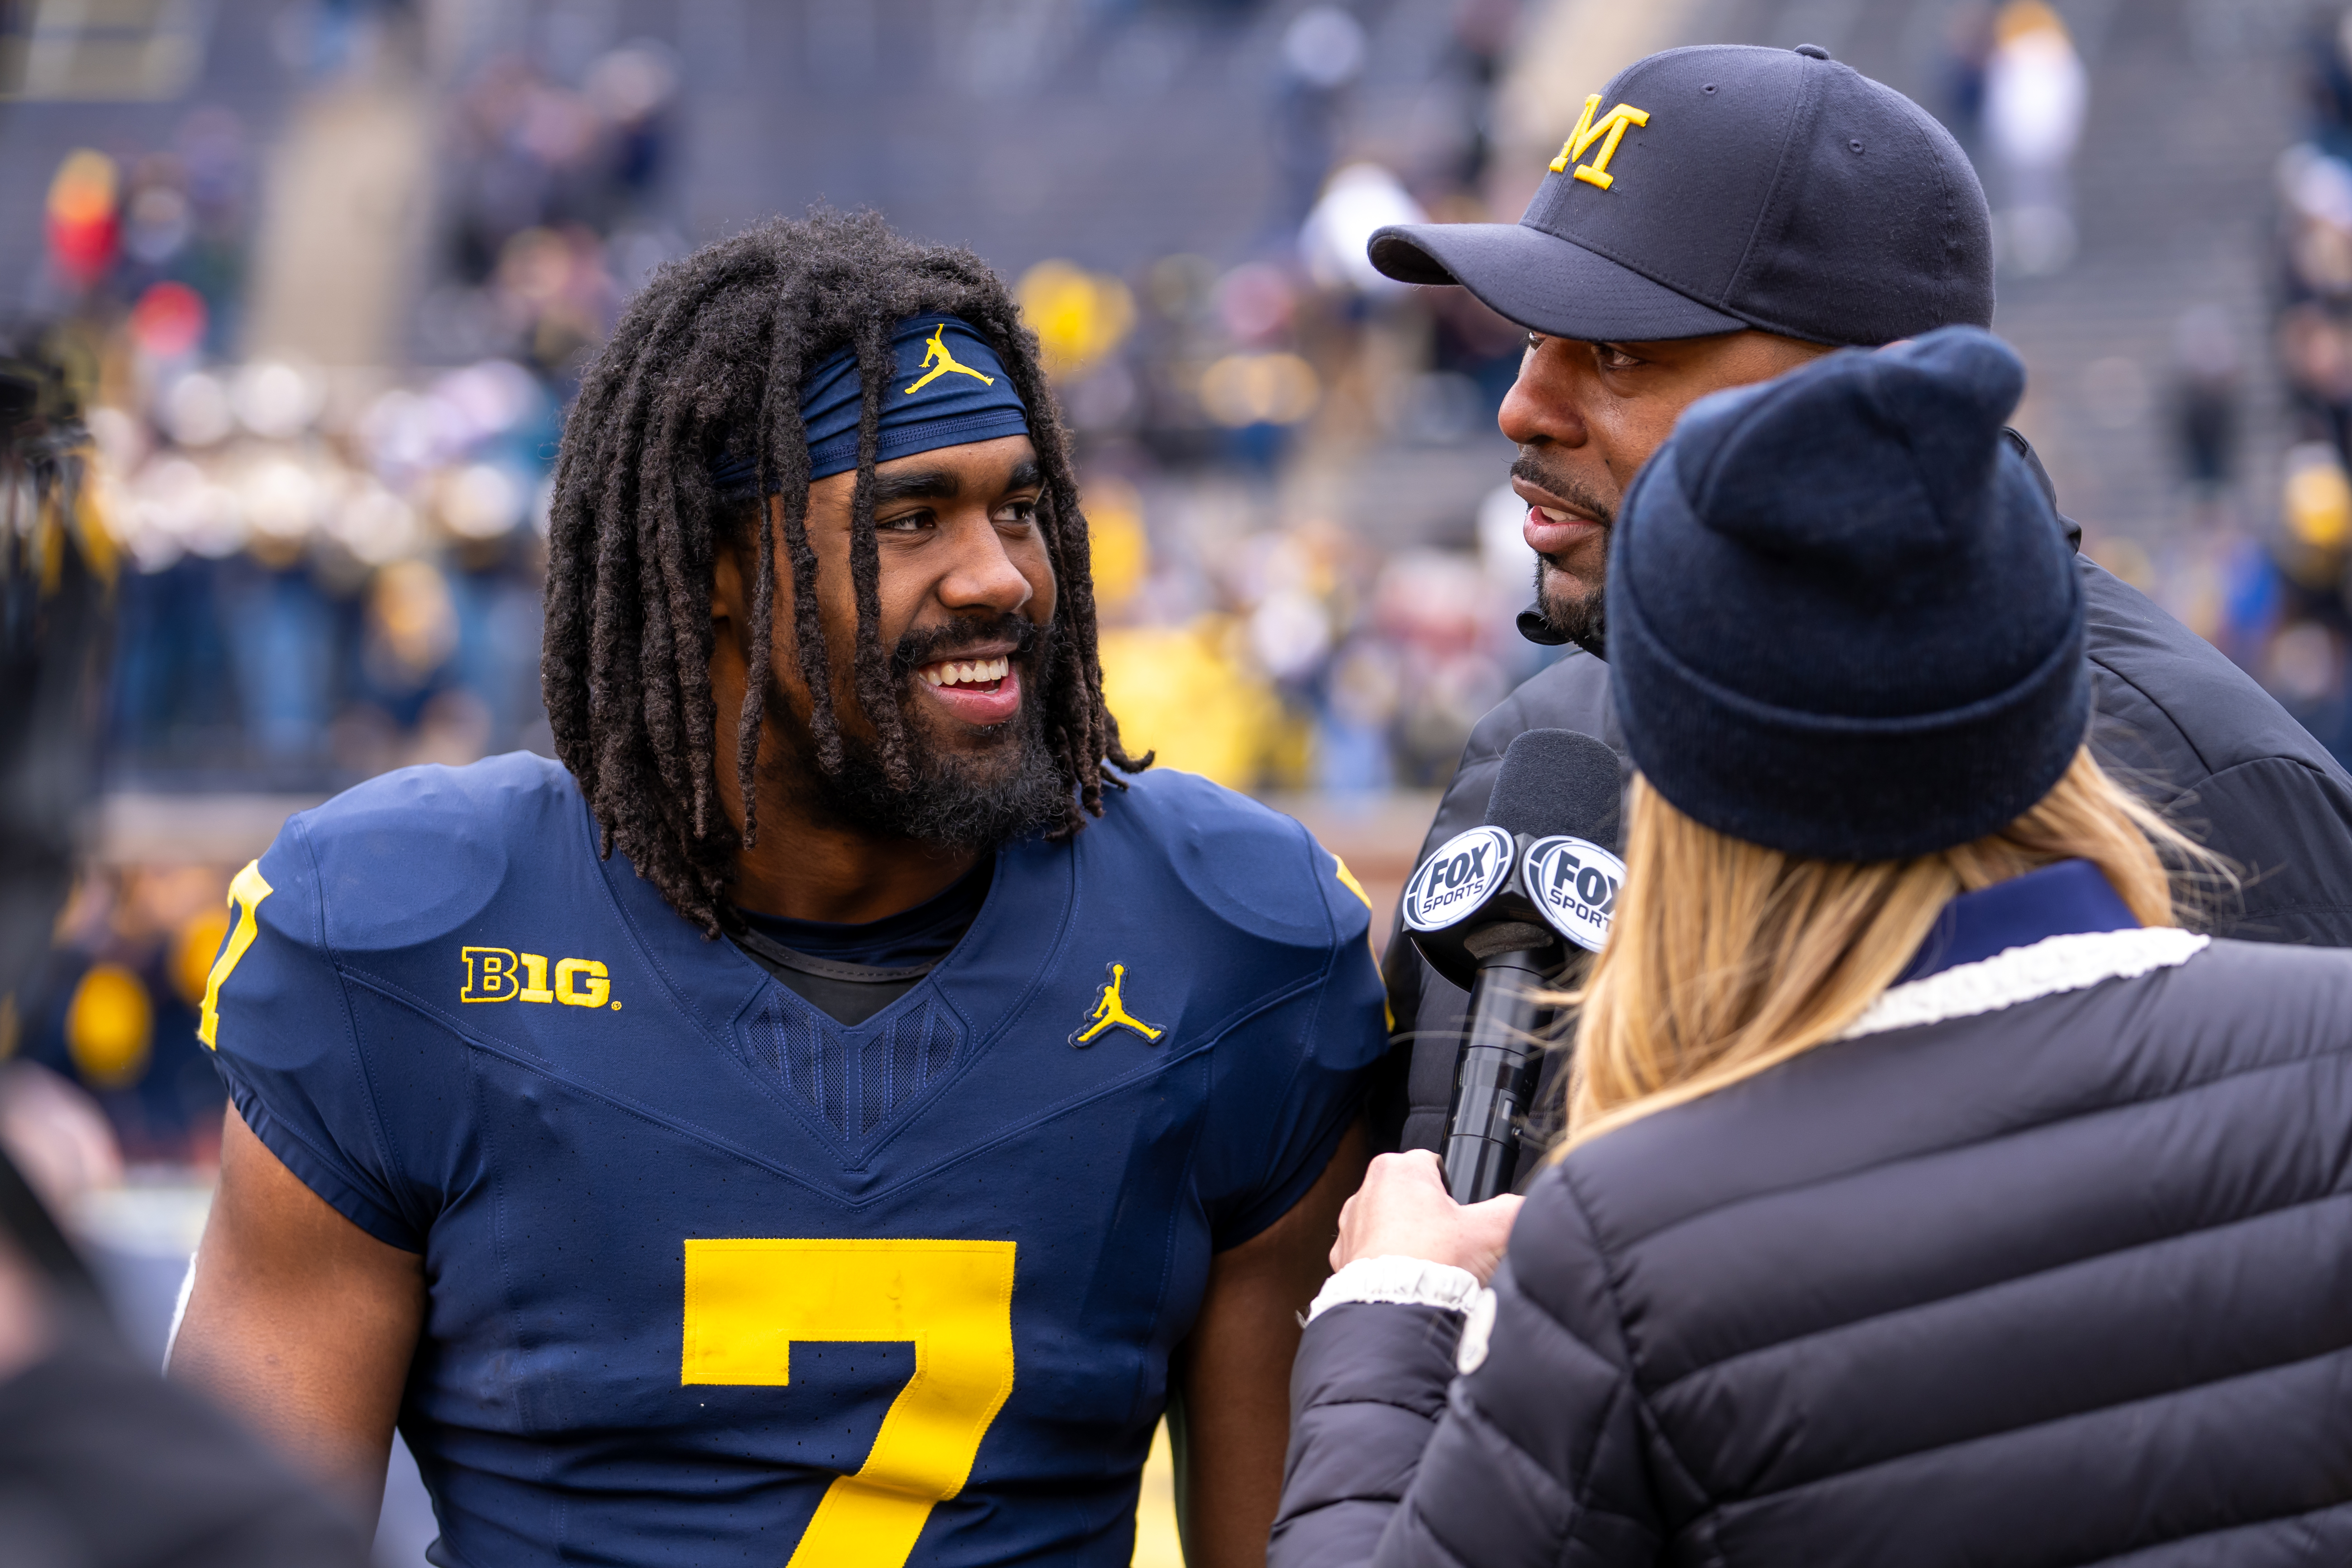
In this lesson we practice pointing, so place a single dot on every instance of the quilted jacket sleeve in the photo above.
(1536, 1457)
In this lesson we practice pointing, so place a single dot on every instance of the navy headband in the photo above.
(948, 388)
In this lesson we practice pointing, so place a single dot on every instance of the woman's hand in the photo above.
(1402, 1211)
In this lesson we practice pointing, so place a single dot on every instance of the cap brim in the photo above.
(1545, 283)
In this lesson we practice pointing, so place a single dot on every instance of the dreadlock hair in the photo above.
(709, 360)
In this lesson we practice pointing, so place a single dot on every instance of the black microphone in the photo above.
(1511, 910)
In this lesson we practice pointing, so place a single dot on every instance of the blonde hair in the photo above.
(1726, 958)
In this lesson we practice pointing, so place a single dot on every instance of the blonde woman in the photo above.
(1932, 1195)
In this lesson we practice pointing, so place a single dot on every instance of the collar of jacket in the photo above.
(2057, 901)
(2060, 929)
(1540, 631)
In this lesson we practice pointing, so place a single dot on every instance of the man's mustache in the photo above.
(1531, 468)
(931, 643)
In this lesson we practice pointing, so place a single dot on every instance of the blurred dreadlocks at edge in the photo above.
(706, 363)
(57, 583)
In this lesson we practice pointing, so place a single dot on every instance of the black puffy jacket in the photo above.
(2055, 1270)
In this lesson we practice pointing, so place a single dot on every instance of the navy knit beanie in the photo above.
(1843, 619)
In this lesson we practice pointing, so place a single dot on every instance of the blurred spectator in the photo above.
(1322, 53)
(2034, 98)
(2208, 386)
(1360, 199)
(1482, 33)
(124, 990)
(2328, 54)
(2317, 364)
(1968, 57)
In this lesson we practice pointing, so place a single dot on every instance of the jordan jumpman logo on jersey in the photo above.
(1110, 1013)
(940, 362)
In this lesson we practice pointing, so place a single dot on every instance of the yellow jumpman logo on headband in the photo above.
(935, 356)
(1110, 1013)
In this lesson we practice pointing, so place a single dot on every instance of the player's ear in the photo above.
(727, 600)
(731, 563)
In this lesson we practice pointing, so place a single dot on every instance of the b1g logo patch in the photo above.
(1574, 881)
(1457, 878)
(502, 974)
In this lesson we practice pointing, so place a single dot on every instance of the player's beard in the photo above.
(979, 798)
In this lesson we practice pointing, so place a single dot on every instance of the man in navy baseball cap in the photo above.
(1719, 216)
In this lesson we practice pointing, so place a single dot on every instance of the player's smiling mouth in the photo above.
(975, 672)
(981, 689)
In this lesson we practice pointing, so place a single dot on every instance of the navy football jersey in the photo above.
(714, 1278)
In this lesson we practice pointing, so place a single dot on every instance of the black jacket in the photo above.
(2065, 1282)
(2172, 716)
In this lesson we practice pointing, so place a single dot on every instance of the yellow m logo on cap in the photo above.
(1589, 131)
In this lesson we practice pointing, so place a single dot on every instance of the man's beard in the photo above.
(1583, 622)
(981, 800)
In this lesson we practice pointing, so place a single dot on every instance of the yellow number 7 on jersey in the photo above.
(748, 1301)
(244, 896)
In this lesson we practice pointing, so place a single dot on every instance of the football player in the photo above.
(831, 1114)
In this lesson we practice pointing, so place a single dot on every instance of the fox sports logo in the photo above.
(1574, 881)
(1459, 878)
